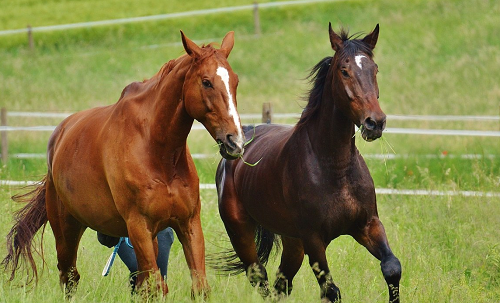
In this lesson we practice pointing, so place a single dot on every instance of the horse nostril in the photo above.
(383, 124)
(370, 124)
(230, 142)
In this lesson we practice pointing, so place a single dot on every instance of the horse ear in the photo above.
(335, 39)
(191, 48)
(371, 38)
(227, 43)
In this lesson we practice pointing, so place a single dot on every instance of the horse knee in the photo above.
(391, 269)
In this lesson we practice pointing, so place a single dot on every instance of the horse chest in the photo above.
(333, 206)
(160, 199)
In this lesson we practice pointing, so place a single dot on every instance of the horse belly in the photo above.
(87, 198)
(78, 177)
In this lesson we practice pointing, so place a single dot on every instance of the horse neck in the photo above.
(332, 132)
(170, 123)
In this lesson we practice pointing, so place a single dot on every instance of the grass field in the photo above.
(435, 57)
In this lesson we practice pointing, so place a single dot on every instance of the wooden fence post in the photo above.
(5, 147)
(30, 38)
(256, 18)
(267, 113)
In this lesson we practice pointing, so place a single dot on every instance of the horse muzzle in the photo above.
(229, 148)
(372, 128)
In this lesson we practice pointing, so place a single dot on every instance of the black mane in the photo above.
(317, 76)
(351, 46)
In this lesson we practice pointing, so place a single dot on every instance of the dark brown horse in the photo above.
(312, 185)
(126, 170)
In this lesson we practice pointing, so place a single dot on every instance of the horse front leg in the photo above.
(315, 248)
(190, 235)
(373, 237)
(146, 250)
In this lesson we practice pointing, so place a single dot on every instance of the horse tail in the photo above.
(229, 262)
(28, 220)
(265, 241)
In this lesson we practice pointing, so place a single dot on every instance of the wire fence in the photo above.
(266, 117)
(378, 191)
(29, 30)
(250, 117)
(161, 16)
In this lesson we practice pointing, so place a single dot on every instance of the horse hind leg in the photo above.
(241, 231)
(242, 238)
(67, 232)
(67, 248)
(373, 237)
(291, 260)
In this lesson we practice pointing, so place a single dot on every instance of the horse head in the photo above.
(209, 94)
(355, 71)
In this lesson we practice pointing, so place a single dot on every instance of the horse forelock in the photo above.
(352, 45)
(208, 51)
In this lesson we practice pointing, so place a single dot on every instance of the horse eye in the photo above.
(344, 73)
(206, 83)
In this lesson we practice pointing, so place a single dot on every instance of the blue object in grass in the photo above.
(111, 258)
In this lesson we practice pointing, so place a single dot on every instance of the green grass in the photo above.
(435, 57)
(20, 13)
(447, 245)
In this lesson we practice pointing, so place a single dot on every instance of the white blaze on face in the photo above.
(358, 60)
(224, 75)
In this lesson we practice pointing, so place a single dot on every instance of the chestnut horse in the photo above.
(126, 170)
(311, 184)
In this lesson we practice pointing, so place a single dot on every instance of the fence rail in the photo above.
(160, 17)
(385, 157)
(389, 130)
(442, 118)
(379, 191)
(255, 7)
(265, 117)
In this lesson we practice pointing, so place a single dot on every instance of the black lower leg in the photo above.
(391, 269)
(283, 286)
(329, 290)
(257, 275)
